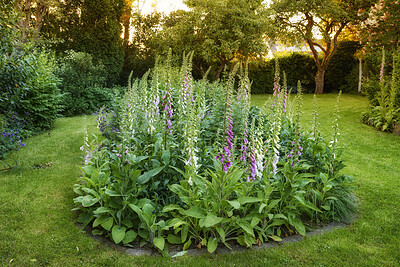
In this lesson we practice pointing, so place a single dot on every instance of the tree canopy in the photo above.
(218, 30)
(319, 23)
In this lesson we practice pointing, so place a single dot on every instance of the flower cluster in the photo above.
(168, 111)
(243, 147)
(382, 67)
(228, 148)
(13, 138)
(277, 86)
(105, 120)
(253, 166)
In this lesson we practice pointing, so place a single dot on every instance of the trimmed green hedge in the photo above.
(342, 72)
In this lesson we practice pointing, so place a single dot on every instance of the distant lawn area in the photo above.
(37, 226)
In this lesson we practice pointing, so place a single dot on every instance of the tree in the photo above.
(8, 29)
(91, 26)
(220, 30)
(382, 26)
(309, 20)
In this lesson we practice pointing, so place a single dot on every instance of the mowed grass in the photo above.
(37, 226)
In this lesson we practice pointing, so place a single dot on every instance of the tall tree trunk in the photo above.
(319, 81)
(127, 24)
(41, 11)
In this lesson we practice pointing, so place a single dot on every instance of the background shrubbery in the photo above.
(383, 92)
(30, 98)
(83, 84)
(341, 75)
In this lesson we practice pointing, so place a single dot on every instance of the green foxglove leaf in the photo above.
(142, 202)
(221, 233)
(195, 212)
(177, 189)
(159, 242)
(299, 226)
(212, 220)
(187, 244)
(102, 210)
(166, 155)
(145, 177)
(173, 239)
(88, 201)
(171, 207)
(184, 232)
(306, 203)
(212, 244)
(112, 193)
(148, 208)
(246, 227)
(107, 224)
(88, 169)
(101, 219)
(134, 175)
(245, 200)
(129, 237)
(118, 233)
(235, 204)
(275, 238)
(262, 206)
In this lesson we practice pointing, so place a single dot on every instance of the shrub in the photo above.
(384, 109)
(30, 98)
(297, 66)
(191, 162)
(82, 83)
(342, 72)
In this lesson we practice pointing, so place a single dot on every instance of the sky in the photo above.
(165, 6)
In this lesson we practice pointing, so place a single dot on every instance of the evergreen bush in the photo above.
(83, 84)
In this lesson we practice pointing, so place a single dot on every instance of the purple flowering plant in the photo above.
(212, 168)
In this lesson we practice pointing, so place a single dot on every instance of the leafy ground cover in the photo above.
(38, 226)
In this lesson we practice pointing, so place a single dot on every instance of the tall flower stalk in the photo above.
(168, 111)
(334, 142)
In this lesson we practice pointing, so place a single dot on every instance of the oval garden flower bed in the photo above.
(192, 163)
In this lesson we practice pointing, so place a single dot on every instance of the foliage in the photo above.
(297, 66)
(301, 20)
(8, 29)
(90, 26)
(30, 98)
(381, 27)
(192, 163)
(141, 52)
(218, 31)
(385, 106)
(82, 83)
(342, 72)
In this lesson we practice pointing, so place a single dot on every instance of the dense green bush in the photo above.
(30, 98)
(83, 84)
(297, 66)
(384, 96)
(192, 163)
(342, 72)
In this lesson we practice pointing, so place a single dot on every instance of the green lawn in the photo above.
(37, 226)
